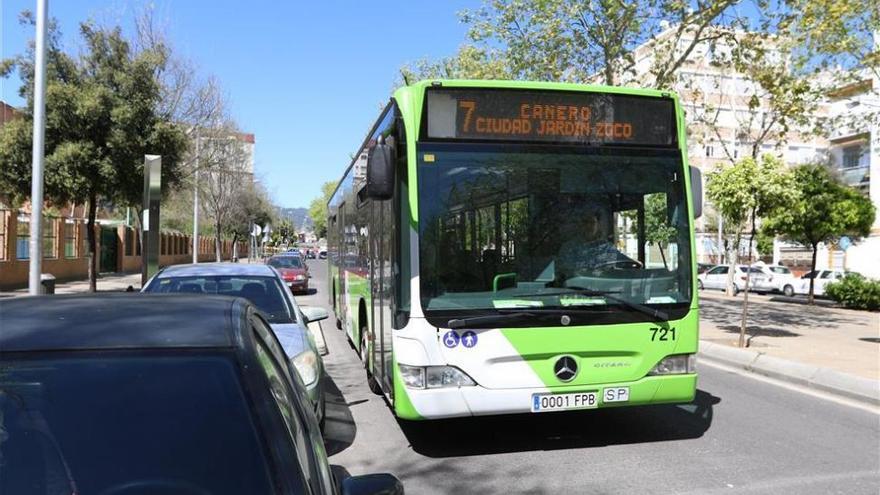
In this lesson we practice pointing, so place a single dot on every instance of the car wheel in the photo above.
(736, 290)
(699, 284)
(788, 290)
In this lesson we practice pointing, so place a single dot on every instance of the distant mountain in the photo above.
(298, 216)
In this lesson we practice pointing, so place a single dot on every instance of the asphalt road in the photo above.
(741, 435)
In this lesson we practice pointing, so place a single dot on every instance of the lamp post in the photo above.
(195, 236)
(36, 227)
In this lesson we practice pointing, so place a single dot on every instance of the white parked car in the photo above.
(774, 278)
(822, 279)
(264, 287)
(716, 278)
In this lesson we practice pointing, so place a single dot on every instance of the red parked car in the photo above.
(293, 270)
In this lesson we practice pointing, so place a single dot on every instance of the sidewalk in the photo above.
(797, 343)
(115, 282)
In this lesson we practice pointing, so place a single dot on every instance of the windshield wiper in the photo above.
(489, 319)
(653, 313)
(656, 314)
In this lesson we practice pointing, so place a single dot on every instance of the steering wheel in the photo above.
(623, 264)
(156, 485)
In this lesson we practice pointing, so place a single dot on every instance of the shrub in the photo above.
(855, 291)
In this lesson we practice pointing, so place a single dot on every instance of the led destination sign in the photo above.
(584, 118)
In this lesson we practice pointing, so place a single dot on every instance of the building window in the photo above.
(84, 240)
(23, 237)
(710, 151)
(50, 236)
(3, 220)
(70, 238)
(851, 156)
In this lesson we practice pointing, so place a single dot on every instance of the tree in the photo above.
(469, 63)
(224, 174)
(584, 40)
(251, 206)
(823, 210)
(318, 208)
(101, 119)
(658, 231)
(744, 192)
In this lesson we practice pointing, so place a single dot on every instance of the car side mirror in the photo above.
(380, 170)
(314, 313)
(697, 191)
(372, 484)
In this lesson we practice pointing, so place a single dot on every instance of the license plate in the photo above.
(564, 402)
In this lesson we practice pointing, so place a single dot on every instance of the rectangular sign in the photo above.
(549, 116)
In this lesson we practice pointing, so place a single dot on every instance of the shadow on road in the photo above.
(340, 428)
(554, 431)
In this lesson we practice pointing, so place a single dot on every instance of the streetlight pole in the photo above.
(36, 240)
(195, 246)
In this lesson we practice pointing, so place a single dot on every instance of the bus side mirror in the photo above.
(697, 191)
(380, 171)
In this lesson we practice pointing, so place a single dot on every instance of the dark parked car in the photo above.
(134, 394)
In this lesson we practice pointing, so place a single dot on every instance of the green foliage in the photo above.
(657, 228)
(469, 63)
(765, 242)
(318, 209)
(750, 189)
(101, 120)
(855, 291)
(823, 209)
(580, 40)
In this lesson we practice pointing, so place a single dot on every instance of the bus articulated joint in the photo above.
(422, 377)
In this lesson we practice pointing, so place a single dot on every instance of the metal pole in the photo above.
(195, 247)
(36, 240)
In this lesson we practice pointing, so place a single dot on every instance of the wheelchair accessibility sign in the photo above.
(451, 339)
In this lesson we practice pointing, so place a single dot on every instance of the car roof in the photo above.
(118, 321)
(217, 269)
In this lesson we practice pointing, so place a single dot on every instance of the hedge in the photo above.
(855, 291)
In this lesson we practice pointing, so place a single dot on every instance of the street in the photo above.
(741, 435)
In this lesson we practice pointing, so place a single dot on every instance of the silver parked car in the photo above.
(263, 286)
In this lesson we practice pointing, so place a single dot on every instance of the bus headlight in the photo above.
(434, 377)
(676, 365)
(306, 364)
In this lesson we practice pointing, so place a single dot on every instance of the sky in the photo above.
(307, 78)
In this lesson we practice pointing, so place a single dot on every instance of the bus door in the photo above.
(378, 284)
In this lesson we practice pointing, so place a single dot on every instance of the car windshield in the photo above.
(286, 262)
(781, 270)
(504, 230)
(110, 424)
(264, 292)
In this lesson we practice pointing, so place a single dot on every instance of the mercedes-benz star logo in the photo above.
(566, 369)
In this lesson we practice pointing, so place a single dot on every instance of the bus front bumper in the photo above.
(480, 401)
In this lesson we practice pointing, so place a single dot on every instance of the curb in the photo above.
(824, 379)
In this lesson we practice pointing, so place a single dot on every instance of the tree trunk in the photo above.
(217, 241)
(745, 312)
(90, 236)
(813, 269)
(662, 256)
(733, 259)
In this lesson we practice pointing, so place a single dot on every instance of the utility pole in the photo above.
(36, 240)
(195, 246)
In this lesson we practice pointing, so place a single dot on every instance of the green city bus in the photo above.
(500, 247)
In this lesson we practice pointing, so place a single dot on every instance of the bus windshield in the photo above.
(545, 227)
